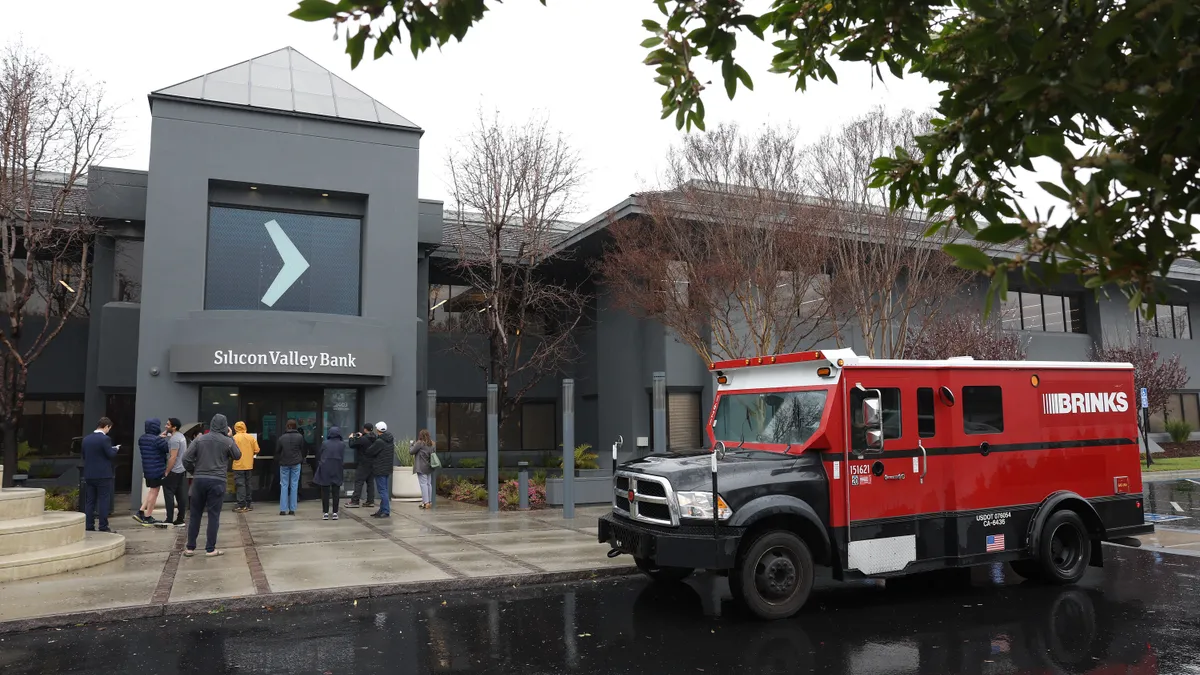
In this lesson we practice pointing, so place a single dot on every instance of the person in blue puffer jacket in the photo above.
(154, 449)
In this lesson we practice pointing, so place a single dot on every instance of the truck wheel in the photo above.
(774, 576)
(665, 575)
(1065, 549)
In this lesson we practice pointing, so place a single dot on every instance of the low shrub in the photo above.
(62, 499)
(583, 458)
(1179, 430)
(474, 491)
(471, 463)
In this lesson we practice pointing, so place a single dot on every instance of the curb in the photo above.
(297, 598)
(1161, 476)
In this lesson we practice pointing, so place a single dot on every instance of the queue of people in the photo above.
(167, 458)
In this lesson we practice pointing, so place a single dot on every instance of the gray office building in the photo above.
(276, 262)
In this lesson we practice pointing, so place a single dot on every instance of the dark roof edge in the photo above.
(155, 96)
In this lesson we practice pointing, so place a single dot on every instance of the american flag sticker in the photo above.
(995, 542)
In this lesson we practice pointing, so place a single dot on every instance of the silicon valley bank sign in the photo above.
(283, 359)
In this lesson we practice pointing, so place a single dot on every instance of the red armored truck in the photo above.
(881, 468)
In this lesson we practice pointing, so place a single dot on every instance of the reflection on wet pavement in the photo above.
(1178, 501)
(1136, 615)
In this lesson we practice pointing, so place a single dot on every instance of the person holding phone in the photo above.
(98, 453)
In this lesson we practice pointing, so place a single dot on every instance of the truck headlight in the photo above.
(699, 505)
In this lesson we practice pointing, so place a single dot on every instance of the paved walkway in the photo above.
(276, 560)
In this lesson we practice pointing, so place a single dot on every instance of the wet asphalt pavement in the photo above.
(1137, 615)
(1177, 503)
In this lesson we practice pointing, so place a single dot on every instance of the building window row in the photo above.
(462, 426)
(1170, 321)
(1042, 312)
(1182, 406)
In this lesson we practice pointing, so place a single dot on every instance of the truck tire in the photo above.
(664, 575)
(1064, 549)
(774, 576)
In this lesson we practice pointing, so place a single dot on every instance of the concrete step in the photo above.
(49, 530)
(16, 503)
(94, 549)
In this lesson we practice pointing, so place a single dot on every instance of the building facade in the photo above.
(276, 262)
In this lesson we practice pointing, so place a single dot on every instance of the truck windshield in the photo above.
(778, 417)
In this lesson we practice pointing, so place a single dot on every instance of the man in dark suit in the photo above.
(98, 453)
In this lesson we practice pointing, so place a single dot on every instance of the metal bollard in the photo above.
(523, 485)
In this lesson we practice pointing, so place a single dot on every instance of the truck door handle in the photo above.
(924, 461)
(984, 448)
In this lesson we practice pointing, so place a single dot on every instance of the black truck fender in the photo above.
(803, 519)
(1065, 499)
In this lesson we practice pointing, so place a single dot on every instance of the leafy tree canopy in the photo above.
(1105, 89)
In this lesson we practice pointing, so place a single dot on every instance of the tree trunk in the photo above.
(10, 453)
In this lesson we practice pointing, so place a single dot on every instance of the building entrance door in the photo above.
(266, 412)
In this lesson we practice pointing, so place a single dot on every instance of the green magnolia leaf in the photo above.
(1015, 88)
(1055, 190)
(355, 44)
(1000, 233)
(314, 10)
(652, 42)
(968, 257)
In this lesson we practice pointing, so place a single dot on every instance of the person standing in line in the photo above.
(243, 468)
(175, 483)
(289, 450)
(98, 452)
(421, 450)
(209, 460)
(364, 465)
(330, 466)
(383, 450)
(153, 448)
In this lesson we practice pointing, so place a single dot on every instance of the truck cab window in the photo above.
(777, 417)
(926, 423)
(983, 410)
(891, 416)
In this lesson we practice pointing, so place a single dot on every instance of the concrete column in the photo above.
(659, 443)
(493, 448)
(568, 407)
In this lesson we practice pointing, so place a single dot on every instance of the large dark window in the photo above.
(1042, 312)
(50, 427)
(983, 410)
(790, 417)
(1170, 321)
(127, 270)
(462, 426)
(1183, 406)
(247, 251)
(926, 419)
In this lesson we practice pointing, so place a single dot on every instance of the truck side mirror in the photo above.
(873, 417)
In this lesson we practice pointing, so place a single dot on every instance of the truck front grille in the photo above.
(649, 499)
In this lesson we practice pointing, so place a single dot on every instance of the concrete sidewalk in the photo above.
(278, 560)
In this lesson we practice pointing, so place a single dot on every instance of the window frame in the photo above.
(1066, 302)
(969, 389)
(1176, 310)
(926, 414)
(858, 440)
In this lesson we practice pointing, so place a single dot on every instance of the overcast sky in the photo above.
(577, 62)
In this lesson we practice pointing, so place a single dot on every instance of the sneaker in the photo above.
(148, 521)
(353, 505)
(283, 513)
(375, 515)
(324, 516)
(335, 516)
(249, 507)
(179, 523)
(385, 515)
(368, 505)
(105, 529)
(139, 518)
(291, 513)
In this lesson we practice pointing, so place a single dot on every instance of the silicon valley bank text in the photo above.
(228, 357)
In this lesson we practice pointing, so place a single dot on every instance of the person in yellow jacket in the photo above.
(243, 468)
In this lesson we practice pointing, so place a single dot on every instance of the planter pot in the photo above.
(405, 487)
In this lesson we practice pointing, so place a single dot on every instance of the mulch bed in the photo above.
(1188, 449)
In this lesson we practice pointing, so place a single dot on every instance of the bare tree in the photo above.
(732, 259)
(964, 331)
(52, 127)
(889, 280)
(512, 188)
(1159, 376)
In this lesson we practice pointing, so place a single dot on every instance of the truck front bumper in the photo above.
(693, 546)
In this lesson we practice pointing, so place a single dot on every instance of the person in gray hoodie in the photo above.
(208, 459)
